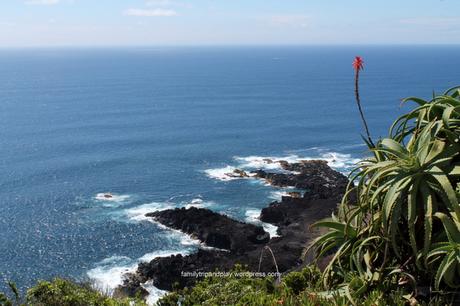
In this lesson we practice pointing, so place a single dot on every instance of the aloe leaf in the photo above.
(395, 215)
(436, 149)
(452, 90)
(419, 101)
(446, 265)
(446, 186)
(428, 222)
(391, 198)
(390, 146)
(452, 228)
(411, 214)
(455, 170)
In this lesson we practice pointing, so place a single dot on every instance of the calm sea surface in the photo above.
(159, 128)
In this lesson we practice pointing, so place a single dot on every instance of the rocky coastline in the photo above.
(231, 242)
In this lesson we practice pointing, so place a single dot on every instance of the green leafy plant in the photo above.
(298, 288)
(404, 226)
(61, 292)
(64, 292)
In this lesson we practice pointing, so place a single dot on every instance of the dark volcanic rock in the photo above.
(183, 271)
(323, 188)
(237, 173)
(315, 176)
(240, 173)
(320, 183)
(213, 229)
(294, 194)
(131, 287)
(178, 270)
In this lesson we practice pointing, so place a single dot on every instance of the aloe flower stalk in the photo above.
(358, 65)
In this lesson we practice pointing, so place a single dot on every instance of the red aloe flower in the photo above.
(358, 63)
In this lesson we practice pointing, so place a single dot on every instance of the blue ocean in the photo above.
(160, 127)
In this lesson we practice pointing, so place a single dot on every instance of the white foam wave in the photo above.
(111, 200)
(138, 213)
(183, 238)
(165, 253)
(222, 174)
(258, 162)
(186, 239)
(339, 161)
(109, 197)
(271, 229)
(109, 273)
(199, 203)
(252, 216)
(277, 195)
(154, 293)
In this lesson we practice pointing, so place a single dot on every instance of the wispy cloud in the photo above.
(150, 12)
(42, 2)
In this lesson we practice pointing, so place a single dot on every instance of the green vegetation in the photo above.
(396, 236)
(395, 239)
(61, 292)
(296, 288)
(406, 221)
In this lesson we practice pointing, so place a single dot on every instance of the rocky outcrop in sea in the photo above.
(320, 191)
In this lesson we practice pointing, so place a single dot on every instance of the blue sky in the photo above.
(223, 22)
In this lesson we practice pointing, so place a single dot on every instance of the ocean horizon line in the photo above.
(228, 46)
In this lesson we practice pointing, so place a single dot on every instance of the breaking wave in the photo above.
(341, 162)
(109, 273)
(252, 216)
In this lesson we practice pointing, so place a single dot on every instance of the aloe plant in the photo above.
(411, 182)
(405, 220)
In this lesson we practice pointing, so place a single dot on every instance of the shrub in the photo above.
(61, 292)
(298, 281)
(302, 288)
(237, 288)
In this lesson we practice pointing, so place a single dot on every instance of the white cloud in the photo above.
(42, 2)
(150, 12)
